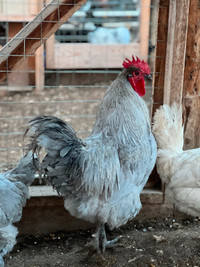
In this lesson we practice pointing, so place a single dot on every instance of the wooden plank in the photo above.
(42, 191)
(36, 32)
(13, 7)
(176, 49)
(148, 195)
(39, 56)
(16, 88)
(191, 87)
(191, 105)
(144, 28)
(16, 18)
(50, 52)
(118, 13)
(84, 56)
(159, 68)
(39, 68)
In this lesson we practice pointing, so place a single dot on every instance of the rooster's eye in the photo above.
(137, 73)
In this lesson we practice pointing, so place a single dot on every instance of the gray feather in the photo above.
(13, 194)
(100, 178)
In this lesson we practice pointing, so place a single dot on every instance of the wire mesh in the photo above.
(68, 75)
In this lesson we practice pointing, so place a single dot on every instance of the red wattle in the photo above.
(138, 86)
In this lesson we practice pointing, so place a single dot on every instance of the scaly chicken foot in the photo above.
(99, 243)
(93, 247)
(108, 244)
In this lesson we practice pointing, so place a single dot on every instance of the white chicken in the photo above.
(179, 169)
(101, 177)
(13, 194)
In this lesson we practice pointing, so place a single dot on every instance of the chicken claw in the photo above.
(108, 244)
(99, 243)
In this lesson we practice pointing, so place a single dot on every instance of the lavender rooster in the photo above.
(13, 194)
(102, 176)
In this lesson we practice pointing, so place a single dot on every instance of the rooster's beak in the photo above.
(148, 77)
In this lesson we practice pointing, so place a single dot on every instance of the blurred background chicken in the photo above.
(13, 194)
(101, 177)
(179, 169)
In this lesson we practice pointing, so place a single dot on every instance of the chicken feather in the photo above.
(179, 169)
(13, 195)
(102, 176)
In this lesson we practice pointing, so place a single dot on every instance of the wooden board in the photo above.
(84, 56)
(16, 18)
(161, 45)
(191, 87)
(144, 28)
(176, 50)
(39, 68)
(147, 196)
(35, 33)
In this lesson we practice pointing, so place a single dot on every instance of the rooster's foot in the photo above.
(93, 247)
(99, 243)
(111, 243)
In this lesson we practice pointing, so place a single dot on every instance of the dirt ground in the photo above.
(157, 242)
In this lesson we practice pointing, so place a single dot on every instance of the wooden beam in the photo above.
(153, 196)
(159, 68)
(191, 88)
(84, 55)
(35, 33)
(144, 28)
(176, 50)
(39, 68)
(50, 52)
(15, 18)
(39, 56)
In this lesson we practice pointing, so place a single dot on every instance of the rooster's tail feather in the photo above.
(62, 162)
(53, 134)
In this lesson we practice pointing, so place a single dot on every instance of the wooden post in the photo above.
(39, 59)
(144, 28)
(50, 52)
(159, 68)
(176, 49)
(191, 89)
(39, 68)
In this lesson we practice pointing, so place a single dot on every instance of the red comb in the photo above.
(137, 63)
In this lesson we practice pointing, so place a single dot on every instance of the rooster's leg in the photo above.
(108, 244)
(99, 243)
(94, 245)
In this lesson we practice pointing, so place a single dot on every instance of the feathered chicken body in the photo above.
(13, 194)
(179, 169)
(101, 177)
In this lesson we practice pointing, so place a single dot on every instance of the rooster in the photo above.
(178, 169)
(101, 177)
(13, 194)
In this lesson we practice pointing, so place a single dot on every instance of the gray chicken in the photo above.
(101, 177)
(13, 194)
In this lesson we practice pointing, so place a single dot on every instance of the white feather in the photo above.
(179, 169)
